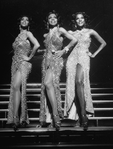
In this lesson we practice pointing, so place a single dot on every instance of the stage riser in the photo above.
(36, 105)
(61, 139)
(102, 102)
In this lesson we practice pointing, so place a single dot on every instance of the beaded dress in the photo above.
(78, 56)
(21, 47)
(53, 42)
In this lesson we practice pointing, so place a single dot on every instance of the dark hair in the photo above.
(74, 23)
(29, 19)
(58, 19)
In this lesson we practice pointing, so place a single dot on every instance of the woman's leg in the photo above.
(50, 91)
(25, 69)
(51, 95)
(80, 91)
(16, 89)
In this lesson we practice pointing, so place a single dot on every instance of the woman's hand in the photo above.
(90, 54)
(66, 49)
(26, 58)
(59, 53)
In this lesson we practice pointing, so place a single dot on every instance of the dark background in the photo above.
(101, 19)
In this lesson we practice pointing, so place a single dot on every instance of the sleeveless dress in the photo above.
(78, 56)
(52, 43)
(21, 47)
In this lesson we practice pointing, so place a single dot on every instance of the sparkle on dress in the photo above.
(21, 47)
(52, 43)
(78, 56)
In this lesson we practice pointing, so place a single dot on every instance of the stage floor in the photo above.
(71, 137)
(45, 129)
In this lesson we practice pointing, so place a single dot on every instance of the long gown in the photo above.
(78, 56)
(21, 47)
(52, 43)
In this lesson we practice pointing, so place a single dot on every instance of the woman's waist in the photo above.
(51, 54)
(77, 54)
(53, 57)
(20, 54)
(20, 62)
(80, 50)
(19, 58)
(53, 48)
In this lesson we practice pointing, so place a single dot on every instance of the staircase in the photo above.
(99, 133)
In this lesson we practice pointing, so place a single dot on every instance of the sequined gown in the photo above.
(78, 56)
(50, 61)
(21, 47)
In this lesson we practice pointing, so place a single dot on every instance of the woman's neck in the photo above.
(52, 26)
(80, 27)
(23, 30)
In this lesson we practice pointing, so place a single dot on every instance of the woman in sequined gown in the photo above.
(23, 52)
(77, 69)
(51, 69)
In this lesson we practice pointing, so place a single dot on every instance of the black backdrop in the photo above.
(101, 19)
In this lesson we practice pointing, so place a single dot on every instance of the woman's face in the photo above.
(24, 21)
(52, 19)
(80, 20)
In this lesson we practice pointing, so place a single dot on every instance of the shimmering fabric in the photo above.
(21, 47)
(78, 56)
(52, 43)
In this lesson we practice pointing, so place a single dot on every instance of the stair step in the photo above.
(102, 102)
(95, 109)
(90, 118)
(97, 95)
(93, 90)
(95, 101)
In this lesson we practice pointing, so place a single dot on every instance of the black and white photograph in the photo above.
(56, 78)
